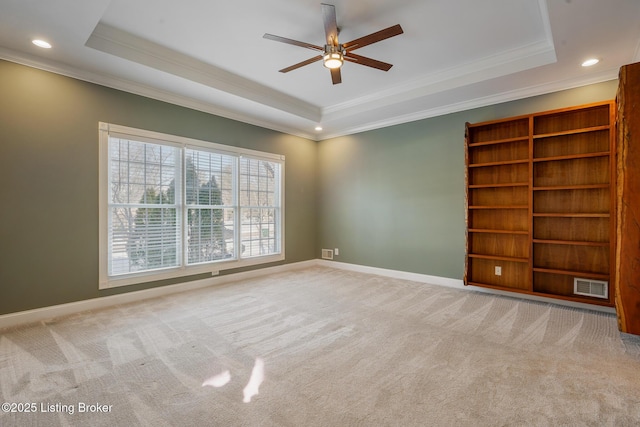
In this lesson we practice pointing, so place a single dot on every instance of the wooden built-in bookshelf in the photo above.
(540, 198)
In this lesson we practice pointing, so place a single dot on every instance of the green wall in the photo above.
(49, 180)
(394, 197)
(390, 198)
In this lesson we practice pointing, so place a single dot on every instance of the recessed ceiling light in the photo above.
(590, 62)
(41, 43)
(318, 128)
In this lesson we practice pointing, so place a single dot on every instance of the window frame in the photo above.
(183, 269)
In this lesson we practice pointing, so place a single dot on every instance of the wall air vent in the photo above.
(591, 288)
(327, 254)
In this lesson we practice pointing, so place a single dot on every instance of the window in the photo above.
(259, 207)
(173, 206)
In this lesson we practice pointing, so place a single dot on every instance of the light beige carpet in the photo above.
(337, 349)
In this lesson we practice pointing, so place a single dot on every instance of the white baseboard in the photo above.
(45, 313)
(458, 284)
(395, 274)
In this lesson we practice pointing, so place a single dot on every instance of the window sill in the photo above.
(214, 268)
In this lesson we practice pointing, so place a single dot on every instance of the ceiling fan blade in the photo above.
(336, 76)
(373, 38)
(330, 25)
(301, 64)
(363, 60)
(293, 42)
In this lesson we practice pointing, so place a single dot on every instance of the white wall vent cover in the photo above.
(327, 254)
(591, 288)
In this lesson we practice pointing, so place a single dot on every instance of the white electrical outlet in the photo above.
(336, 252)
(498, 270)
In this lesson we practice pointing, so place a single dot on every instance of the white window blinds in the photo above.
(210, 206)
(174, 206)
(144, 206)
(259, 206)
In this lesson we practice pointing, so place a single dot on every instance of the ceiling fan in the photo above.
(334, 53)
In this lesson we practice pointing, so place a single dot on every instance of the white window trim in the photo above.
(106, 282)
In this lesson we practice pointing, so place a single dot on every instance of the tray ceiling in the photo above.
(210, 55)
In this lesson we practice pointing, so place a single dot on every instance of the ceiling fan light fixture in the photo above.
(333, 60)
(333, 57)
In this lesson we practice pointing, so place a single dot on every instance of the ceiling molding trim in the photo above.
(146, 91)
(504, 63)
(636, 56)
(514, 95)
(108, 39)
(546, 22)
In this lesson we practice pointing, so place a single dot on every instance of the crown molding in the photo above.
(506, 62)
(636, 55)
(146, 91)
(165, 96)
(514, 95)
(114, 41)
(501, 64)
